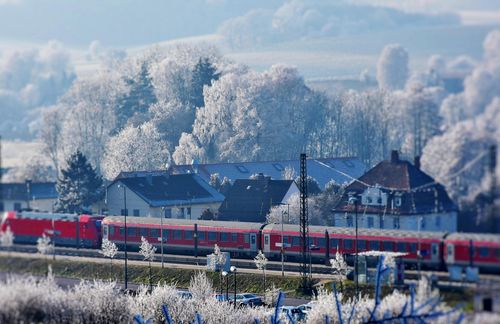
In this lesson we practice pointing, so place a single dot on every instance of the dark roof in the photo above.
(249, 200)
(18, 191)
(161, 189)
(419, 192)
(323, 170)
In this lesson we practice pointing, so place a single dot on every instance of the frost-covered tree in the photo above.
(50, 135)
(147, 250)
(44, 245)
(7, 239)
(79, 186)
(134, 149)
(261, 263)
(108, 250)
(392, 67)
(313, 187)
(339, 266)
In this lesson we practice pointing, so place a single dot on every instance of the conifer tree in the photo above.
(203, 74)
(79, 185)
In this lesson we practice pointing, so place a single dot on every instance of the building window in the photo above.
(438, 221)
(124, 212)
(189, 212)
(422, 223)
(370, 222)
(17, 206)
(395, 222)
(349, 221)
(242, 168)
(167, 213)
(137, 213)
(397, 201)
(181, 212)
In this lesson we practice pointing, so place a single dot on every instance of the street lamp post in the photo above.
(161, 235)
(224, 274)
(419, 253)
(125, 212)
(353, 200)
(233, 269)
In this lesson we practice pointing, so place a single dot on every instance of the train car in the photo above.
(182, 236)
(475, 250)
(324, 242)
(65, 229)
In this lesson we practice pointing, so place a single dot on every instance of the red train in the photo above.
(438, 249)
(65, 229)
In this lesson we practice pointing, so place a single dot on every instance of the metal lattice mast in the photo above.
(492, 171)
(304, 222)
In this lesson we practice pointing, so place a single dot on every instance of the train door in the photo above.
(435, 252)
(253, 241)
(267, 243)
(450, 253)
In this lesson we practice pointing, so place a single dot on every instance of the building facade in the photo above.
(159, 194)
(39, 196)
(396, 194)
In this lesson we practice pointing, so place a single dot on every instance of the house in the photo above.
(323, 170)
(396, 194)
(157, 194)
(249, 200)
(40, 196)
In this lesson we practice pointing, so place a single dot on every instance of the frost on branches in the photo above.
(7, 238)
(339, 266)
(44, 245)
(147, 250)
(108, 249)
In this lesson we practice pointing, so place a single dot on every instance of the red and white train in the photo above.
(438, 249)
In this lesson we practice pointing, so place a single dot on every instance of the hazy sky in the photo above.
(123, 23)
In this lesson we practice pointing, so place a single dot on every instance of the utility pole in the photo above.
(493, 183)
(304, 224)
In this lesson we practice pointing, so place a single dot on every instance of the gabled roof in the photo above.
(249, 200)
(419, 192)
(19, 191)
(323, 170)
(161, 189)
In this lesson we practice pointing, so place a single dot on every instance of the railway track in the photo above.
(275, 267)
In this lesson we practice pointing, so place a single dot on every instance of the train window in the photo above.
(401, 247)
(484, 251)
(122, 231)
(334, 243)
(348, 244)
(144, 232)
(246, 237)
(155, 232)
(321, 242)
(234, 237)
(201, 236)
(497, 253)
(131, 231)
(285, 239)
(413, 247)
(296, 241)
(224, 237)
(177, 234)
(374, 245)
(212, 236)
(266, 239)
(361, 244)
(165, 234)
(188, 235)
(111, 230)
(388, 246)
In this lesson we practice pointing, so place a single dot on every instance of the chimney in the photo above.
(416, 162)
(394, 156)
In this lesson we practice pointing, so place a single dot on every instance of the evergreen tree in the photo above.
(203, 74)
(138, 100)
(79, 186)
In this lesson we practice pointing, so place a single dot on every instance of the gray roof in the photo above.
(131, 221)
(19, 191)
(481, 237)
(323, 170)
(361, 231)
(160, 189)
